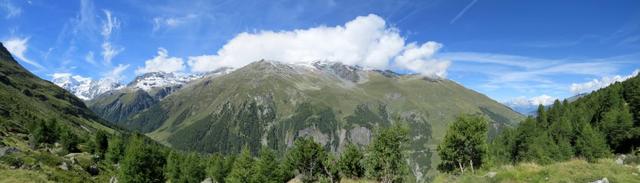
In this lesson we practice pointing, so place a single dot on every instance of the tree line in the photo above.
(137, 158)
(597, 125)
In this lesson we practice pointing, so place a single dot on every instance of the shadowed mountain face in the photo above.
(271, 104)
(25, 99)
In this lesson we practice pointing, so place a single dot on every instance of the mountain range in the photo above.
(269, 103)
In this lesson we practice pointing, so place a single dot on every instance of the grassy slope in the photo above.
(570, 171)
(24, 99)
(282, 89)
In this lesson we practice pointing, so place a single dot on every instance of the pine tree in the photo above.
(172, 169)
(350, 163)
(193, 170)
(385, 158)
(68, 139)
(45, 131)
(464, 145)
(115, 150)
(100, 143)
(216, 169)
(266, 168)
(590, 143)
(142, 163)
(242, 168)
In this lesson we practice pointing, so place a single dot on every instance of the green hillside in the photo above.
(269, 103)
(45, 131)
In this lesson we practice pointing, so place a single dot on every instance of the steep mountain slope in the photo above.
(270, 103)
(26, 100)
(144, 91)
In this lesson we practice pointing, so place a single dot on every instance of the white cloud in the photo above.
(366, 41)
(595, 84)
(162, 63)
(171, 22)
(18, 47)
(115, 74)
(10, 9)
(90, 58)
(420, 60)
(61, 75)
(109, 51)
(533, 101)
(110, 24)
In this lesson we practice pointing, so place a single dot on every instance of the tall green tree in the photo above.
(464, 145)
(142, 163)
(193, 170)
(350, 163)
(266, 168)
(219, 166)
(68, 139)
(385, 160)
(307, 157)
(173, 167)
(242, 168)
(100, 143)
(45, 131)
(115, 149)
(590, 143)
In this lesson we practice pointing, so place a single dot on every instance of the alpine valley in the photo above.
(269, 103)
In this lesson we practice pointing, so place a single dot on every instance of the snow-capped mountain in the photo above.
(83, 87)
(152, 80)
(86, 88)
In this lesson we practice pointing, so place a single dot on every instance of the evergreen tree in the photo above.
(172, 169)
(542, 116)
(464, 144)
(115, 149)
(142, 163)
(617, 124)
(193, 170)
(385, 158)
(307, 157)
(242, 168)
(45, 131)
(503, 149)
(68, 139)
(217, 169)
(100, 143)
(590, 143)
(350, 164)
(266, 168)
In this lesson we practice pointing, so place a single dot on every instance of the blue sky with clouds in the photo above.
(508, 50)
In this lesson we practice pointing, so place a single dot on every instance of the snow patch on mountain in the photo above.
(85, 88)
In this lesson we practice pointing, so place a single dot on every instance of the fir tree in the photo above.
(242, 168)
(350, 163)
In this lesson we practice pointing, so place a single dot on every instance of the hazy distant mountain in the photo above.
(272, 103)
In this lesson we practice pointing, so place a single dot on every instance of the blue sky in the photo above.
(508, 50)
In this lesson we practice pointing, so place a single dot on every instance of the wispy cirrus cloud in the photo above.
(466, 8)
(11, 10)
(18, 47)
(532, 74)
(171, 22)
